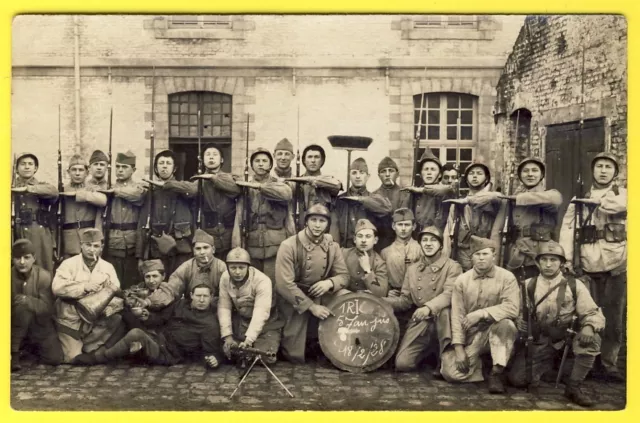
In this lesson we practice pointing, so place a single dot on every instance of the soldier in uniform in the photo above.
(310, 271)
(478, 209)
(153, 272)
(127, 196)
(31, 307)
(388, 174)
(76, 278)
(484, 302)
(283, 154)
(535, 215)
(171, 220)
(220, 194)
(33, 217)
(98, 165)
(603, 253)
(554, 301)
(427, 286)
(367, 270)
(247, 308)
(270, 221)
(358, 203)
(82, 206)
(449, 174)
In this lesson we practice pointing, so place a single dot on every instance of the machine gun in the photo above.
(256, 355)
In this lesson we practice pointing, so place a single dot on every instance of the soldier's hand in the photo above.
(320, 311)
(507, 197)
(588, 201)
(422, 313)
(470, 320)
(137, 311)
(320, 288)
(246, 344)
(586, 336)
(211, 361)
(94, 286)
(140, 266)
(106, 191)
(202, 176)
(68, 193)
(20, 299)
(393, 293)
(462, 361)
(363, 260)
(248, 184)
(145, 315)
(152, 182)
(568, 266)
(521, 324)
(229, 344)
(415, 190)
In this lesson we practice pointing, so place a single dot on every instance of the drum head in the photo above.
(362, 335)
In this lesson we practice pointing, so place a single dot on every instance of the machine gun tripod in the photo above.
(256, 355)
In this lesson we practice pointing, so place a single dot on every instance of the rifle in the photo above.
(245, 200)
(106, 215)
(297, 197)
(416, 149)
(198, 217)
(455, 232)
(15, 222)
(150, 197)
(578, 222)
(527, 312)
(567, 343)
(59, 250)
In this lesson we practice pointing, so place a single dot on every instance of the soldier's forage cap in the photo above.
(363, 224)
(202, 236)
(428, 156)
(261, 150)
(532, 159)
(608, 156)
(551, 248)
(314, 147)
(402, 214)
(478, 244)
(98, 156)
(26, 154)
(318, 209)
(127, 158)
(431, 230)
(21, 248)
(77, 159)
(284, 144)
(91, 235)
(238, 255)
(151, 265)
(360, 164)
(387, 163)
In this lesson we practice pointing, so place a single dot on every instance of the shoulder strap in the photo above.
(549, 292)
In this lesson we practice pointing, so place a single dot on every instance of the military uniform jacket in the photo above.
(127, 199)
(398, 199)
(429, 208)
(82, 211)
(325, 191)
(372, 206)
(398, 257)
(37, 288)
(376, 281)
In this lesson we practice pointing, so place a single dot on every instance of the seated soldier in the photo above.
(427, 285)
(247, 308)
(558, 301)
(79, 277)
(31, 307)
(367, 270)
(153, 273)
(187, 329)
(484, 301)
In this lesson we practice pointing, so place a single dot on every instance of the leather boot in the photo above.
(574, 392)
(15, 363)
(85, 359)
(614, 376)
(495, 384)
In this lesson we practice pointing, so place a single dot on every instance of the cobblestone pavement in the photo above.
(190, 387)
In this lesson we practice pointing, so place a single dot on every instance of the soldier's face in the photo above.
(124, 171)
(531, 175)
(91, 250)
(201, 298)
(27, 167)
(77, 173)
(238, 271)
(476, 176)
(604, 171)
(212, 159)
(203, 253)
(430, 172)
(283, 159)
(317, 225)
(358, 178)
(153, 279)
(388, 176)
(24, 264)
(165, 167)
(313, 161)
(98, 169)
(483, 259)
(403, 229)
(449, 177)
(261, 164)
(365, 240)
(430, 245)
(549, 265)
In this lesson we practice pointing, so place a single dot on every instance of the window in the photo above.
(200, 22)
(445, 21)
(445, 117)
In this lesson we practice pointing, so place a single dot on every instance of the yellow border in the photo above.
(11, 8)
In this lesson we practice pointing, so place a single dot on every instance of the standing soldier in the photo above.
(554, 301)
(127, 197)
(283, 154)
(310, 271)
(403, 252)
(220, 193)
(388, 174)
(83, 206)
(367, 270)
(534, 216)
(603, 253)
(270, 221)
(450, 174)
(484, 302)
(33, 201)
(98, 165)
(171, 219)
(427, 285)
(478, 211)
(358, 203)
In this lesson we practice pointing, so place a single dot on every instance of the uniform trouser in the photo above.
(498, 340)
(153, 348)
(89, 337)
(41, 334)
(266, 266)
(610, 292)
(544, 357)
(126, 266)
(415, 344)
(268, 340)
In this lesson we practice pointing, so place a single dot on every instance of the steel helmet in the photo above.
(318, 209)
(261, 150)
(238, 255)
(608, 156)
(532, 159)
(431, 230)
(478, 163)
(551, 248)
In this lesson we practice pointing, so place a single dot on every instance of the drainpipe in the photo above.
(76, 63)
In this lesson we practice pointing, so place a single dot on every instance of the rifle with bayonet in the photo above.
(199, 203)
(15, 221)
(578, 206)
(297, 194)
(415, 173)
(246, 196)
(59, 249)
(507, 235)
(106, 215)
(150, 197)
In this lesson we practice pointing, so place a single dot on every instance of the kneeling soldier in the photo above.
(368, 272)
(154, 274)
(247, 308)
(557, 299)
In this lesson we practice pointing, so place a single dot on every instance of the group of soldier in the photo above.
(231, 265)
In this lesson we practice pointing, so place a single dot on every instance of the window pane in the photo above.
(463, 167)
(175, 107)
(175, 119)
(217, 108)
(184, 98)
(193, 108)
(451, 155)
(175, 131)
(452, 101)
(416, 101)
(193, 98)
(466, 154)
(226, 108)
(435, 151)
(184, 131)
(452, 132)
(226, 131)
(193, 119)
(226, 99)
(467, 101)
(193, 131)
(184, 119)
(434, 116)
(207, 131)
(216, 131)
(434, 101)
(184, 108)
(207, 98)
(206, 120)
(206, 109)
(226, 119)
(466, 117)
(416, 117)
(423, 132)
(452, 117)
(217, 120)
(434, 132)
(466, 133)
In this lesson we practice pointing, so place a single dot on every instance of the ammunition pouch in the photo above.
(540, 232)
(157, 229)
(165, 243)
(615, 232)
(26, 217)
(182, 233)
(588, 234)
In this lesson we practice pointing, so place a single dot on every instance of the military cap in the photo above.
(428, 156)
(127, 158)
(431, 230)
(151, 265)
(608, 156)
(238, 255)
(91, 235)
(77, 159)
(360, 164)
(403, 214)
(22, 247)
(98, 156)
(532, 159)
(202, 236)
(284, 144)
(387, 163)
(314, 147)
(476, 244)
(261, 150)
(551, 248)
(26, 154)
(363, 224)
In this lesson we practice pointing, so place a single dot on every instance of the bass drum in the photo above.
(361, 335)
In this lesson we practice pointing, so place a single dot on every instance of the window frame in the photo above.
(187, 139)
(443, 124)
(445, 21)
(201, 22)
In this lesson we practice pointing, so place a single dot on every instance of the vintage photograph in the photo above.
(318, 212)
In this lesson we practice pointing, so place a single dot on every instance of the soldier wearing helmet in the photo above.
(247, 308)
(478, 213)
(534, 216)
(603, 253)
(310, 270)
(368, 271)
(427, 290)
(270, 220)
(556, 299)
(171, 219)
(33, 201)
